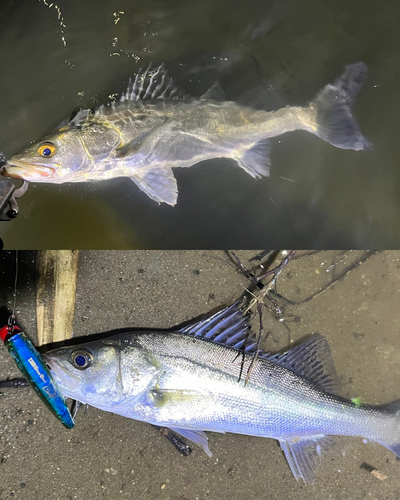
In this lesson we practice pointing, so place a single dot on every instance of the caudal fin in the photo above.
(393, 442)
(335, 122)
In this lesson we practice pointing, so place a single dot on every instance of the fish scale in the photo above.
(188, 379)
(272, 390)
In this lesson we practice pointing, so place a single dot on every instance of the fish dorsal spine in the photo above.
(311, 359)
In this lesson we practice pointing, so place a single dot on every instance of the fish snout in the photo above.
(66, 379)
(18, 169)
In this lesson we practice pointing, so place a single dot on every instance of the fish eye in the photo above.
(81, 359)
(47, 149)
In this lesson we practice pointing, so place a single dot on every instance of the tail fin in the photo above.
(335, 121)
(394, 444)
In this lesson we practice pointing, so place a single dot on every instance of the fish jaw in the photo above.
(68, 382)
(18, 169)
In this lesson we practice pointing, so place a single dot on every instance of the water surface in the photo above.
(58, 57)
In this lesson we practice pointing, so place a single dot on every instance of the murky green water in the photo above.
(264, 53)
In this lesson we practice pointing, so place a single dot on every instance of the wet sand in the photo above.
(108, 456)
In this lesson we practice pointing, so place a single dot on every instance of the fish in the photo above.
(191, 380)
(155, 127)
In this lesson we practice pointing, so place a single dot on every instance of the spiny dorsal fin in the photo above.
(312, 359)
(80, 119)
(228, 327)
(152, 84)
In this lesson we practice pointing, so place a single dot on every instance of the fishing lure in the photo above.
(31, 364)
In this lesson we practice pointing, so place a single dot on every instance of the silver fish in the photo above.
(189, 380)
(154, 128)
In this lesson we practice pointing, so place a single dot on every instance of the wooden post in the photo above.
(55, 294)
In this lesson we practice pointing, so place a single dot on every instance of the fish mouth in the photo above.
(20, 170)
(63, 378)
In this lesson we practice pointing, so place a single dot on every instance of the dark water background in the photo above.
(264, 53)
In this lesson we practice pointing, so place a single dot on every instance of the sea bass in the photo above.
(190, 380)
(154, 128)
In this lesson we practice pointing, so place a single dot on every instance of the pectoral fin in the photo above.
(147, 139)
(198, 437)
(304, 455)
(134, 146)
(159, 184)
(161, 398)
(164, 397)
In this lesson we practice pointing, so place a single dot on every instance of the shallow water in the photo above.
(266, 54)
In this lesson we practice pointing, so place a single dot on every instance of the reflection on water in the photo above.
(58, 57)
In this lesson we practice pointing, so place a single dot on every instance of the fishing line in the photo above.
(11, 319)
(32, 365)
(15, 285)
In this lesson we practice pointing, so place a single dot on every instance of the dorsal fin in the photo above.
(229, 327)
(152, 84)
(312, 360)
(214, 93)
(80, 119)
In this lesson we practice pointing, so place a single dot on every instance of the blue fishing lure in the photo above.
(35, 370)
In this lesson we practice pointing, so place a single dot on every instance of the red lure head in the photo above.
(31, 364)
(8, 331)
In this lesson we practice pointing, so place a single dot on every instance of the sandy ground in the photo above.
(108, 456)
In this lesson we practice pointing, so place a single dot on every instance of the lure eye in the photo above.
(47, 149)
(81, 359)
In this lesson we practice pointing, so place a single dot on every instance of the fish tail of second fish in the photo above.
(331, 116)
(391, 438)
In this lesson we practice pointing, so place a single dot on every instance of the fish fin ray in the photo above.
(198, 437)
(228, 327)
(312, 360)
(148, 139)
(255, 160)
(335, 122)
(63, 124)
(151, 84)
(134, 146)
(161, 397)
(214, 93)
(80, 118)
(159, 184)
(304, 455)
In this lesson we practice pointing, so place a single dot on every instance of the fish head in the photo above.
(69, 154)
(84, 371)
(102, 373)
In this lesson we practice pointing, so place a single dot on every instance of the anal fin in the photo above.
(159, 184)
(255, 160)
(304, 455)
